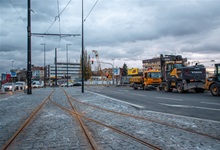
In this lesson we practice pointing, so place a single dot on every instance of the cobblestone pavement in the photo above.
(53, 128)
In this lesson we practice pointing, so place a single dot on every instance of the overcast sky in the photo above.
(127, 31)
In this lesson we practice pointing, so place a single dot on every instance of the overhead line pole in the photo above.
(82, 51)
(55, 67)
(29, 73)
(67, 68)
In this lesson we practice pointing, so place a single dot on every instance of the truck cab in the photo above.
(152, 78)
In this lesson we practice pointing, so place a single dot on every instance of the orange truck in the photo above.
(150, 78)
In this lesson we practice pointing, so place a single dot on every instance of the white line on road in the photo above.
(139, 95)
(187, 106)
(138, 106)
(210, 103)
(169, 98)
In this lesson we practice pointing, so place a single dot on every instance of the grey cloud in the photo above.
(125, 29)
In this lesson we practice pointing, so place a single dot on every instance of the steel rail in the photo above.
(75, 113)
(147, 119)
(83, 127)
(27, 121)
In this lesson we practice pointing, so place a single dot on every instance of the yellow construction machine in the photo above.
(176, 75)
(213, 82)
(150, 78)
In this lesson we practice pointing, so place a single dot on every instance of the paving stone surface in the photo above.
(54, 128)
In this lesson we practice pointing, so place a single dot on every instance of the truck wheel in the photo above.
(179, 87)
(199, 90)
(167, 87)
(135, 87)
(215, 90)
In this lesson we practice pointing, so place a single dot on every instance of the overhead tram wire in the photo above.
(58, 12)
(88, 15)
(91, 10)
(18, 13)
(55, 19)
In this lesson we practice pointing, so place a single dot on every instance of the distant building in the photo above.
(151, 63)
(37, 73)
(73, 71)
(154, 63)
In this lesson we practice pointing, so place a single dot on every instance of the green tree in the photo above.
(125, 70)
(87, 66)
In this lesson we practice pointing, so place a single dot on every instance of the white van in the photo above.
(37, 84)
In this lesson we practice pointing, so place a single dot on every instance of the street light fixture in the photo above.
(67, 63)
(44, 65)
(12, 65)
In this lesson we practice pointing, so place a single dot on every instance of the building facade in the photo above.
(73, 70)
(37, 73)
(153, 63)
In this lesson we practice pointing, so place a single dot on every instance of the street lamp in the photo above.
(67, 63)
(44, 65)
(12, 64)
(213, 61)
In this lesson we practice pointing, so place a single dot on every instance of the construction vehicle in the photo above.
(150, 78)
(98, 69)
(177, 75)
(213, 82)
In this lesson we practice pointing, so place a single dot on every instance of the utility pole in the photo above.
(82, 51)
(55, 66)
(67, 64)
(29, 72)
(44, 65)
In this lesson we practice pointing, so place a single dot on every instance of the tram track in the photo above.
(110, 127)
(147, 119)
(87, 123)
(36, 110)
(27, 121)
(80, 115)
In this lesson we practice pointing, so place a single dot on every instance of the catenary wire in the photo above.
(87, 15)
(91, 10)
(17, 12)
(58, 12)
(56, 17)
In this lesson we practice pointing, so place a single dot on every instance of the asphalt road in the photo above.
(191, 104)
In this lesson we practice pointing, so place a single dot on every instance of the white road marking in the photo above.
(187, 106)
(210, 103)
(169, 98)
(139, 95)
(138, 106)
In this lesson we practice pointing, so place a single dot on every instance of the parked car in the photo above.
(9, 86)
(21, 84)
(77, 84)
(65, 84)
(37, 84)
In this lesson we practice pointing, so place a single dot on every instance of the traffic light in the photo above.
(106, 75)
